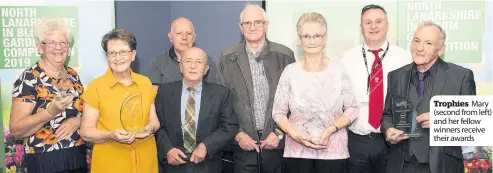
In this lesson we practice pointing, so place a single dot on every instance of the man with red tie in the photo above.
(370, 63)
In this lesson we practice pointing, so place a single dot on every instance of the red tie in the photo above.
(376, 91)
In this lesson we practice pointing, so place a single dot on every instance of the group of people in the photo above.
(269, 111)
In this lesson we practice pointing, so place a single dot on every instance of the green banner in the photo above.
(463, 23)
(18, 46)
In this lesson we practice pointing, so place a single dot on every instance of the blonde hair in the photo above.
(49, 26)
(311, 17)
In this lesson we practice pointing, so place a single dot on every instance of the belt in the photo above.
(375, 135)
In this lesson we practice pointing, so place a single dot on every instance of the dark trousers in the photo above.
(368, 153)
(271, 161)
(206, 166)
(414, 167)
(228, 165)
(80, 170)
(296, 165)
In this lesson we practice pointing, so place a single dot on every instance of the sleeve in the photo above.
(151, 89)
(211, 75)
(154, 73)
(280, 107)
(386, 121)
(292, 58)
(26, 90)
(78, 85)
(162, 140)
(219, 72)
(350, 106)
(79, 88)
(468, 84)
(91, 95)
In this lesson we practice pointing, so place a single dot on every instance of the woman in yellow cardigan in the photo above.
(116, 148)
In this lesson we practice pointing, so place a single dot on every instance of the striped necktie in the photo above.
(189, 141)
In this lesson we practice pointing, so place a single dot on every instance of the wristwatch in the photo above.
(279, 133)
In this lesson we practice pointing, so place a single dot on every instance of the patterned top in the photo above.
(35, 86)
(315, 100)
(260, 87)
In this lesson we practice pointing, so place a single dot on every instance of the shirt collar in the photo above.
(432, 70)
(249, 52)
(112, 81)
(383, 47)
(172, 53)
(197, 88)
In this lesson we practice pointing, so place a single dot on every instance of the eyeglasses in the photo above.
(256, 23)
(52, 44)
(121, 53)
(309, 37)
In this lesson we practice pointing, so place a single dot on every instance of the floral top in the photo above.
(35, 86)
(315, 100)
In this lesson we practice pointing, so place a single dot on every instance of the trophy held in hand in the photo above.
(63, 85)
(131, 114)
(404, 117)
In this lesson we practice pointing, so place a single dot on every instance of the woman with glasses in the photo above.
(318, 93)
(119, 113)
(46, 105)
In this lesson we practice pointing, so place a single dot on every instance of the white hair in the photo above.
(253, 6)
(48, 26)
(443, 35)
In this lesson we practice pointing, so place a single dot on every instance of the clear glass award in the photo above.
(131, 113)
(404, 116)
(63, 84)
(314, 128)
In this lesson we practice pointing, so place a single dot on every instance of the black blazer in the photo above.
(217, 124)
(450, 79)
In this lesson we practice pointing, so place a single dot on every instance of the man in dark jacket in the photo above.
(252, 69)
(418, 82)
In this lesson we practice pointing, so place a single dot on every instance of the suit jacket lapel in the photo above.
(405, 79)
(205, 103)
(440, 77)
(175, 114)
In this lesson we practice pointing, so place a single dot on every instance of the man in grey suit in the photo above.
(428, 76)
(196, 118)
(252, 70)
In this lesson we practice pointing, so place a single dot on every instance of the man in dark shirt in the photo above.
(165, 66)
(418, 82)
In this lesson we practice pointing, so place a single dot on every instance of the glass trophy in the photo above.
(63, 84)
(404, 116)
(131, 114)
(314, 128)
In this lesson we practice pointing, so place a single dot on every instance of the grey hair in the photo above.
(251, 6)
(311, 17)
(48, 26)
(443, 35)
